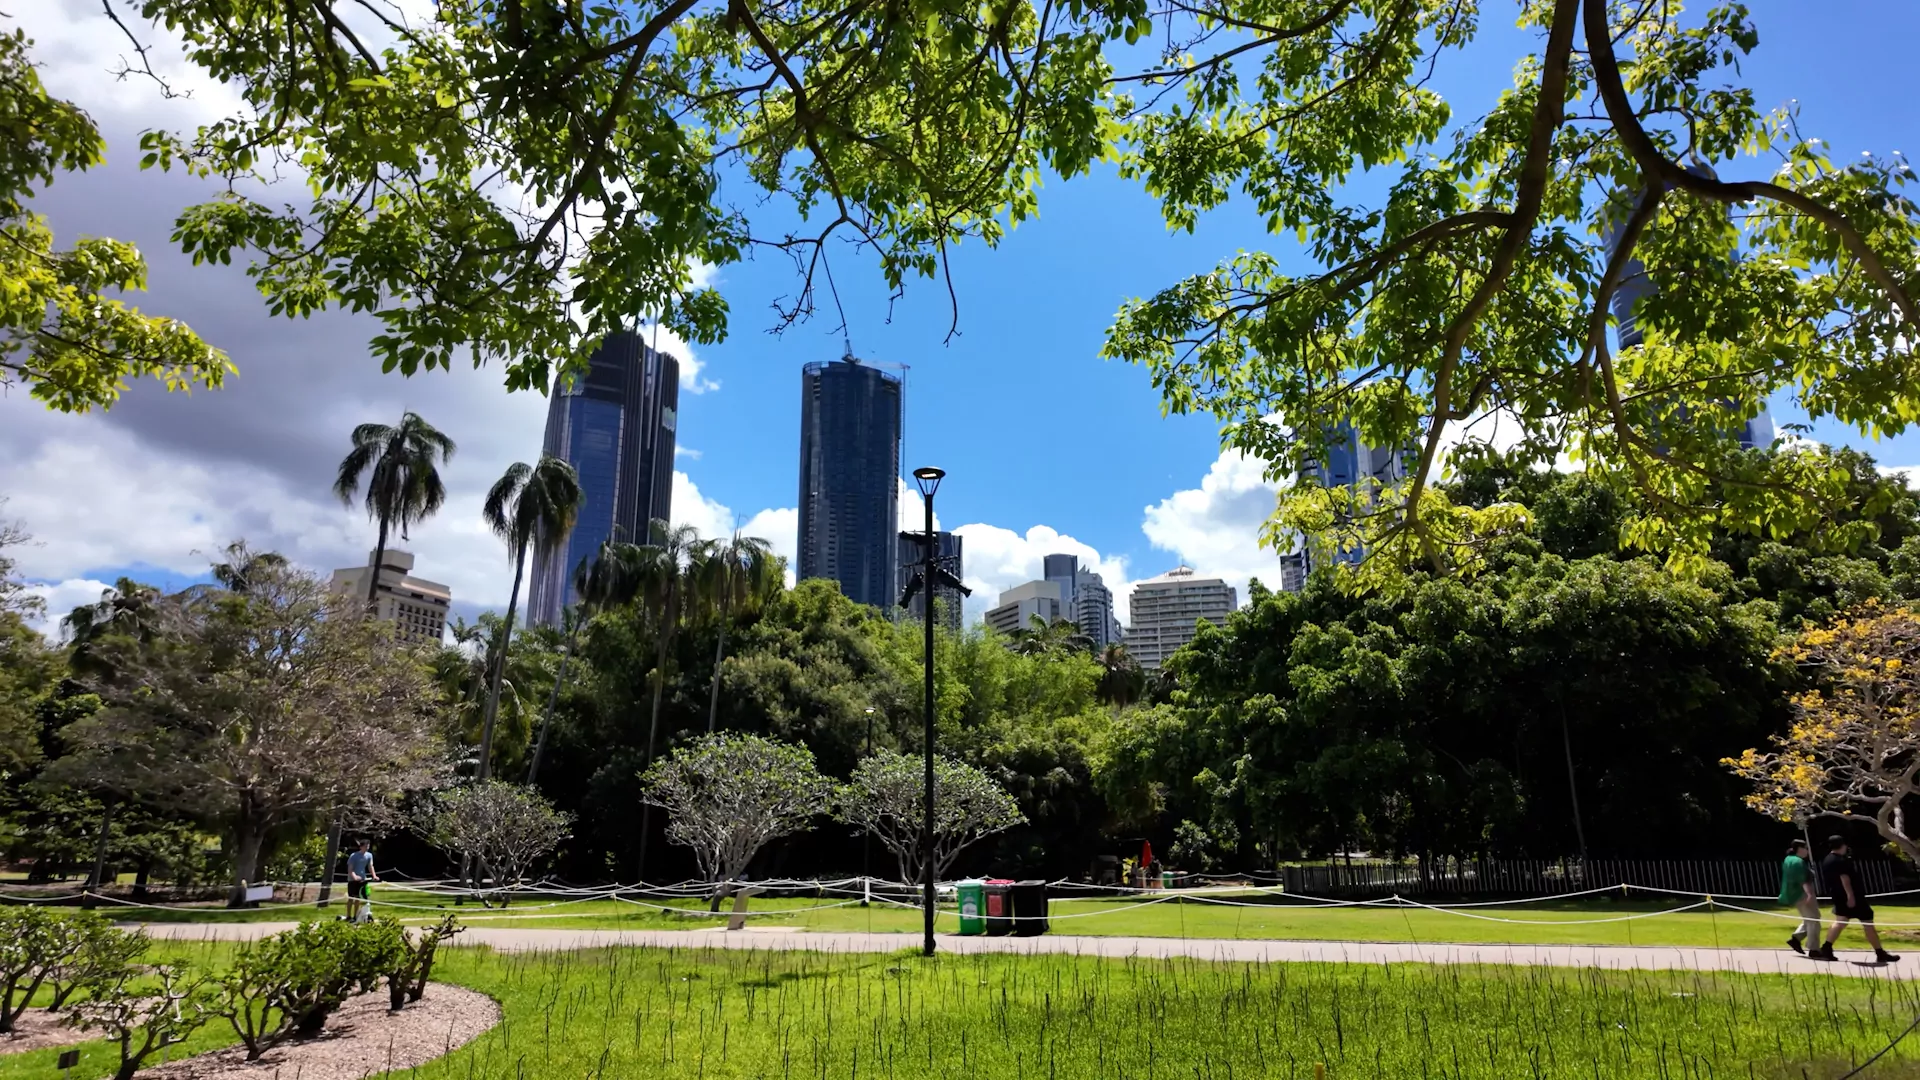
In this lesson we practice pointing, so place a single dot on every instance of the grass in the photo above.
(698, 1013)
(1555, 922)
(796, 1016)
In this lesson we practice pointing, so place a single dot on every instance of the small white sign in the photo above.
(259, 892)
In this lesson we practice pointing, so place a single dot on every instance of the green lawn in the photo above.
(700, 1013)
(1541, 923)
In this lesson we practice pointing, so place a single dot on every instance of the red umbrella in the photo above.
(1146, 854)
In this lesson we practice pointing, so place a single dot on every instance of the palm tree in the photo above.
(1121, 679)
(742, 572)
(658, 575)
(664, 569)
(403, 484)
(532, 506)
(570, 620)
(1043, 638)
(599, 581)
(245, 567)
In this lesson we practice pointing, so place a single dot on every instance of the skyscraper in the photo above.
(615, 424)
(1167, 609)
(850, 479)
(1635, 286)
(1349, 463)
(948, 556)
(1087, 601)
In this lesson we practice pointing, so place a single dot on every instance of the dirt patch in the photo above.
(362, 1039)
(38, 1029)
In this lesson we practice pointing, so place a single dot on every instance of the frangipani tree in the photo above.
(728, 795)
(1853, 750)
(505, 829)
(886, 797)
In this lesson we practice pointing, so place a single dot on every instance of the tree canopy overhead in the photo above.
(1481, 284)
(514, 179)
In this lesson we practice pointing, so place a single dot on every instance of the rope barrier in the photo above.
(1114, 900)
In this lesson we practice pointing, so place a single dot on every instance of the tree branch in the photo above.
(1658, 167)
(1529, 192)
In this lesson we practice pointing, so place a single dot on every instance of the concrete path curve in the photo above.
(1758, 961)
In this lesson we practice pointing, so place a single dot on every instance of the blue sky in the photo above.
(1033, 428)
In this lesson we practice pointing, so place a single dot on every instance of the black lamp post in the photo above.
(866, 836)
(929, 481)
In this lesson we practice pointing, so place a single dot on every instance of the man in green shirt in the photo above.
(1797, 891)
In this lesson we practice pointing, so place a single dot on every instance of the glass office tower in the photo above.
(850, 416)
(615, 424)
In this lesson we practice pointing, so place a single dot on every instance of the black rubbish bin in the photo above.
(1029, 908)
(999, 907)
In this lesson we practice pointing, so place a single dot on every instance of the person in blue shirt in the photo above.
(359, 873)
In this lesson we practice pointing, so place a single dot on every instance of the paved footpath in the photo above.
(1760, 961)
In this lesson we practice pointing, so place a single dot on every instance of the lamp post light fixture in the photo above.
(866, 835)
(928, 480)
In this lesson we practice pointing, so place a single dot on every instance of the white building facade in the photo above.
(1167, 609)
(416, 607)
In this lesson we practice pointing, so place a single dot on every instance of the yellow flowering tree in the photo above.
(1853, 750)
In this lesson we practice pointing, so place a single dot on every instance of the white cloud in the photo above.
(780, 528)
(687, 452)
(663, 339)
(708, 517)
(997, 559)
(1215, 528)
(912, 510)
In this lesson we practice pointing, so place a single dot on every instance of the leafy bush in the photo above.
(41, 946)
(91, 952)
(288, 984)
(141, 1017)
(28, 950)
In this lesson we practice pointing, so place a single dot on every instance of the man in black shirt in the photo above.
(1849, 896)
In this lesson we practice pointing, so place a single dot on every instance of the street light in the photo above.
(928, 480)
(866, 835)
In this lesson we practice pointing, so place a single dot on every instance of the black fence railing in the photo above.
(1548, 877)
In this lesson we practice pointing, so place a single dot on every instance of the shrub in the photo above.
(408, 981)
(92, 952)
(141, 1018)
(33, 943)
(288, 984)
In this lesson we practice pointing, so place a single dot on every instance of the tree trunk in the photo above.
(97, 879)
(1573, 789)
(719, 656)
(500, 667)
(653, 725)
(247, 843)
(326, 867)
(553, 698)
(379, 556)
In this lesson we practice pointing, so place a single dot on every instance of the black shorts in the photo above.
(356, 890)
(1859, 912)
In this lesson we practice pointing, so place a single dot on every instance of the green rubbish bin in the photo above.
(1166, 879)
(972, 897)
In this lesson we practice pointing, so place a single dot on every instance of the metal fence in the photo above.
(1545, 877)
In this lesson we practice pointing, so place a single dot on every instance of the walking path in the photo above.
(1757, 961)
